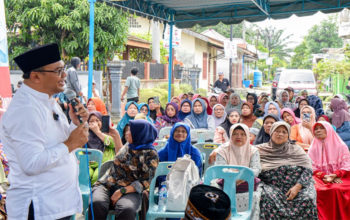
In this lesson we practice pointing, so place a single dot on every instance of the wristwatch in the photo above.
(123, 190)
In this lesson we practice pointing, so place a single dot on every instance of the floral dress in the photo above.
(276, 183)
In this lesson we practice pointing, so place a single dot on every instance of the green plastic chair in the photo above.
(93, 155)
(206, 149)
(231, 174)
(152, 213)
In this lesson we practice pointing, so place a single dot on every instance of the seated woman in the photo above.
(264, 133)
(331, 167)
(185, 109)
(287, 189)
(213, 100)
(183, 96)
(222, 132)
(239, 152)
(288, 116)
(302, 133)
(223, 99)
(284, 100)
(156, 109)
(219, 114)
(134, 167)
(253, 99)
(270, 108)
(301, 103)
(176, 100)
(144, 109)
(325, 118)
(131, 111)
(341, 119)
(208, 107)
(235, 103)
(169, 118)
(247, 116)
(96, 104)
(99, 141)
(179, 144)
(199, 119)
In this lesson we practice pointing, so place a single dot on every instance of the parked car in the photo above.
(298, 79)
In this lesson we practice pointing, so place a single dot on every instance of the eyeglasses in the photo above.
(58, 72)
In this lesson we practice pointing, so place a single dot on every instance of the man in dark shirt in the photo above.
(222, 83)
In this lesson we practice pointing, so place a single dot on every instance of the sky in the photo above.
(298, 26)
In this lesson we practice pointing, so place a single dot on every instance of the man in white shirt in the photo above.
(39, 142)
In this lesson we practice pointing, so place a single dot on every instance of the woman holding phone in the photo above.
(302, 133)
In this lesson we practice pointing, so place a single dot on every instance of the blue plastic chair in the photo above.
(152, 213)
(93, 155)
(231, 174)
(206, 149)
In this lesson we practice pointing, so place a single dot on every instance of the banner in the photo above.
(5, 83)
(230, 49)
(176, 37)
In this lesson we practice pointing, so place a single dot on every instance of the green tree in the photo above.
(302, 58)
(66, 22)
(324, 35)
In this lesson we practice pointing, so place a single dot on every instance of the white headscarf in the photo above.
(217, 120)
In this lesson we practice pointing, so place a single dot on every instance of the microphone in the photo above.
(71, 95)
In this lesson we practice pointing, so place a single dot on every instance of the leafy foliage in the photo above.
(302, 58)
(66, 22)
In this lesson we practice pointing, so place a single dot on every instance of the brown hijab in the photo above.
(249, 119)
(273, 156)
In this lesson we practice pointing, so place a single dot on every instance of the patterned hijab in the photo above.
(273, 156)
(330, 154)
(235, 155)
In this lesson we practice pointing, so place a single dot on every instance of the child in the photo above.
(253, 133)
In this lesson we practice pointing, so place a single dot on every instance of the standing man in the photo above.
(132, 87)
(72, 77)
(222, 82)
(39, 142)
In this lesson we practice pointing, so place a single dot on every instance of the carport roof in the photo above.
(187, 13)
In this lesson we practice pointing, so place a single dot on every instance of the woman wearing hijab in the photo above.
(222, 132)
(219, 114)
(96, 104)
(176, 100)
(234, 103)
(223, 99)
(131, 111)
(183, 96)
(156, 110)
(144, 109)
(302, 133)
(264, 133)
(179, 144)
(207, 104)
(134, 167)
(99, 141)
(213, 100)
(199, 119)
(169, 118)
(273, 108)
(325, 118)
(288, 191)
(247, 116)
(185, 109)
(331, 168)
(341, 119)
(253, 99)
(316, 103)
(301, 103)
(238, 152)
(284, 100)
(288, 116)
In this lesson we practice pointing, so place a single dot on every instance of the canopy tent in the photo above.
(187, 13)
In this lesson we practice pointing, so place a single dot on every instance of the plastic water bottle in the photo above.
(163, 196)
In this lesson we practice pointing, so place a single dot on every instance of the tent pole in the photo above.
(170, 58)
(91, 46)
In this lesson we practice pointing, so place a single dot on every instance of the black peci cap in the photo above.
(207, 202)
(38, 57)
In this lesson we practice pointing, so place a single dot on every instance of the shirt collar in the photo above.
(26, 89)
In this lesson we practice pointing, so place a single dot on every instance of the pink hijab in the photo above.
(305, 133)
(296, 119)
(340, 110)
(235, 155)
(331, 154)
(221, 97)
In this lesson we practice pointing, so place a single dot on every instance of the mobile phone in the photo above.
(306, 116)
(156, 100)
(105, 123)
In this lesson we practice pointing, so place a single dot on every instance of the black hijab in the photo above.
(255, 105)
(226, 125)
(94, 141)
(262, 136)
(297, 111)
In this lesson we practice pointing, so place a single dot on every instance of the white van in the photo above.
(298, 79)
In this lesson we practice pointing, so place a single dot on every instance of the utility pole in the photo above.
(230, 62)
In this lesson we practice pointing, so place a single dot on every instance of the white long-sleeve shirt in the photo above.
(41, 168)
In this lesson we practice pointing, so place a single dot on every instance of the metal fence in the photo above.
(156, 71)
(131, 64)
